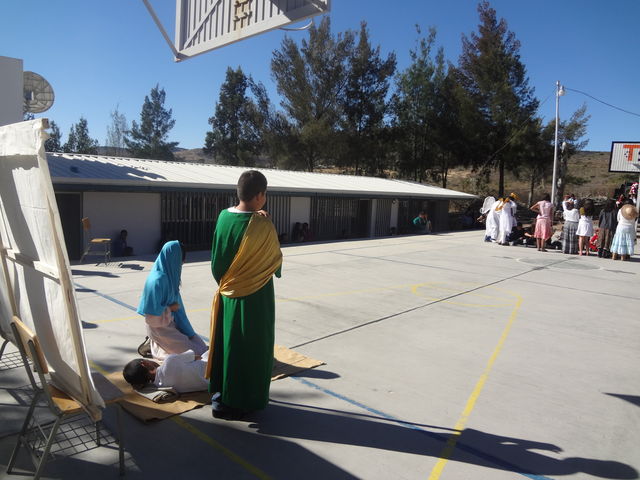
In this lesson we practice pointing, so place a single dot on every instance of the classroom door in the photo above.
(70, 209)
(363, 219)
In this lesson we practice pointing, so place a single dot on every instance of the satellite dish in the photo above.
(38, 94)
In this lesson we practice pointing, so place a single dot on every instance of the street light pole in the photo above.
(559, 93)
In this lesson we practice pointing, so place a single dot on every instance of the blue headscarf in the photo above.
(162, 287)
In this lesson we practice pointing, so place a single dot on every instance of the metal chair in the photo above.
(92, 242)
(38, 435)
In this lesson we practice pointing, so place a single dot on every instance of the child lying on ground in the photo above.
(184, 372)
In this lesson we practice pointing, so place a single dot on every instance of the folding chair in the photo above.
(92, 242)
(38, 437)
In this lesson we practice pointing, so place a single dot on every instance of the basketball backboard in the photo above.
(625, 157)
(204, 25)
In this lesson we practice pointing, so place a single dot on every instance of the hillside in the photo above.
(193, 155)
(588, 176)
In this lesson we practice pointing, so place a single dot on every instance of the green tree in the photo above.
(116, 133)
(570, 137)
(416, 105)
(451, 147)
(79, 140)
(365, 105)
(535, 161)
(237, 125)
(53, 143)
(311, 80)
(149, 138)
(493, 75)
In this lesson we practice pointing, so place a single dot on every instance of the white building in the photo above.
(156, 201)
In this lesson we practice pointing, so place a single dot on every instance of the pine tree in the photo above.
(495, 79)
(237, 125)
(416, 108)
(570, 136)
(311, 80)
(79, 140)
(365, 105)
(149, 138)
(52, 144)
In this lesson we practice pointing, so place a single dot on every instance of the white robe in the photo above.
(166, 338)
(491, 221)
(507, 220)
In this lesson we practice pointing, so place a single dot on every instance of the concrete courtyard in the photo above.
(446, 358)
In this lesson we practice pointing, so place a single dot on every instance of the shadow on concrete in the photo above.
(473, 447)
(315, 373)
(131, 266)
(88, 326)
(92, 273)
(633, 399)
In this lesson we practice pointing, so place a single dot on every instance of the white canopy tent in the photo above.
(35, 278)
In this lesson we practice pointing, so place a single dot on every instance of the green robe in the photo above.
(243, 350)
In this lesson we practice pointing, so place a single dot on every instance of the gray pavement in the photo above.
(446, 358)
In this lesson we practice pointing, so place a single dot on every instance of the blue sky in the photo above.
(99, 55)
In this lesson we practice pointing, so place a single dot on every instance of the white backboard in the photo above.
(625, 157)
(204, 25)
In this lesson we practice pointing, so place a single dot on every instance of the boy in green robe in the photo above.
(244, 257)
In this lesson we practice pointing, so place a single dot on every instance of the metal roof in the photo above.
(96, 170)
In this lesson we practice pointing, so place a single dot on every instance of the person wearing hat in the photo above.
(507, 220)
(625, 237)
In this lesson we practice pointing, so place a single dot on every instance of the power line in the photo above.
(603, 102)
(521, 127)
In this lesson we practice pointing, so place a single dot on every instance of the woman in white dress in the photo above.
(491, 222)
(507, 218)
(585, 226)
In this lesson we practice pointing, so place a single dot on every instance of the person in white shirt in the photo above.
(184, 372)
(571, 218)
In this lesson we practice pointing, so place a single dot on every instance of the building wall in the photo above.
(138, 213)
(394, 215)
(300, 211)
(439, 214)
(11, 85)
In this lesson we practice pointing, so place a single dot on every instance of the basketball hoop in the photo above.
(205, 26)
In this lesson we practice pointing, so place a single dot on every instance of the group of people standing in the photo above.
(615, 233)
(500, 219)
(236, 367)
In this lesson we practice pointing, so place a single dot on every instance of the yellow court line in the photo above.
(446, 453)
(205, 438)
(221, 448)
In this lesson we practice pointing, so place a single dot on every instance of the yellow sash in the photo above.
(257, 259)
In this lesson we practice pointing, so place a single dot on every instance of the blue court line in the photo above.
(437, 436)
(107, 297)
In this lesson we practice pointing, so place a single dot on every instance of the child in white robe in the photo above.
(184, 372)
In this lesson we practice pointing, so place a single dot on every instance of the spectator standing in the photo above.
(585, 226)
(607, 223)
(544, 230)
